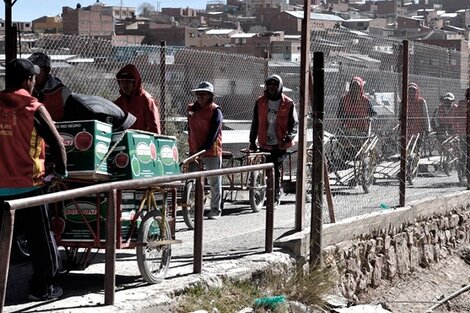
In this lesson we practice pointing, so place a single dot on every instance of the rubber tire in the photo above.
(257, 186)
(189, 197)
(150, 275)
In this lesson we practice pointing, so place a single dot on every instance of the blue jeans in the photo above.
(215, 182)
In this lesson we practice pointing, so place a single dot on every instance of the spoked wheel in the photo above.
(153, 254)
(189, 197)
(412, 168)
(447, 162)
(257, 186)
(20, 247)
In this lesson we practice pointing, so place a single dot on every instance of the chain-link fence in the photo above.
(363, 90)
(362, 146)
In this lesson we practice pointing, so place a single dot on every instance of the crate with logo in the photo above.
(134, 156)
(84, 219)
(87, 144)
(167, 154)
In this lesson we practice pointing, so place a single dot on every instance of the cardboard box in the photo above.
(137, 154)
(85, 217)
(167, 154)
(87, 144)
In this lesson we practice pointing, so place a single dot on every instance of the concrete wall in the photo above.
(371, 250)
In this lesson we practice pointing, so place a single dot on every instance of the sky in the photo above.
(28, 10)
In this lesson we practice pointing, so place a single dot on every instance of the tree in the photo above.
(146, 9)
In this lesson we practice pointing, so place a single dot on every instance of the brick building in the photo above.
(48, 25)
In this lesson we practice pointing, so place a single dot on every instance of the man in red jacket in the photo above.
(205, 133)
(25, 128)
(135, 100)
(48, 89)
(275, 125)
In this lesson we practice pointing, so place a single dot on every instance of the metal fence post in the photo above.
(316, 224)
(302, 141)
(403, 126)
(110, 264)
(198, 225)
(268, 247)
(6, 236)
(467, 157)
(163, 85)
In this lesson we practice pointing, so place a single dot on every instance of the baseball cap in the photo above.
(40, 59)
(448, 96)
(204, 86)
(20, 69)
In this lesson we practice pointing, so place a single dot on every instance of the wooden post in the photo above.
(302, 138)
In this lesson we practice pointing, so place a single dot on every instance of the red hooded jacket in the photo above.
(354, 111)
(140, 104)
(22, 158)
(418, 118)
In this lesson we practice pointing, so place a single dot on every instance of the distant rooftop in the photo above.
(243, 35)
(316, 16)
(219, 31)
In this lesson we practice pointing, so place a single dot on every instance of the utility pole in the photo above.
(10, 32)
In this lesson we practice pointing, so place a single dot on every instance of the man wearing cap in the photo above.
(25, 128)
(205, 133)
(449, 117)
(418, 116)
(275, 125)
(135, 100)
(49, 89)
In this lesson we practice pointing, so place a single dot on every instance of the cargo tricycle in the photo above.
(145, 217)
(253, 182)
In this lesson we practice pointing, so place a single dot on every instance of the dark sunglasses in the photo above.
(202, 93)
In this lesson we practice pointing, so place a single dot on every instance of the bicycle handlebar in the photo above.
(193, 157)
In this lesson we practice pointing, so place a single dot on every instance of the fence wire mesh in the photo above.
(362, 143)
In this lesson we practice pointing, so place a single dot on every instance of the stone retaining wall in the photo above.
(364, 252)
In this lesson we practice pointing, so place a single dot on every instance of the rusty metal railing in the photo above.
(9, 207)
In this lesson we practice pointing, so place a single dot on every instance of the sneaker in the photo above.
(53, 292)
(214, 215)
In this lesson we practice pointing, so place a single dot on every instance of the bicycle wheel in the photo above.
(412, 168)
(367, 173)
(153, 259)
(189, 197)
(257, 186)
